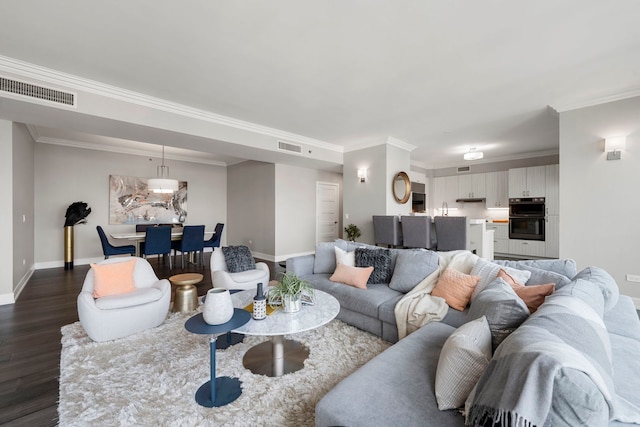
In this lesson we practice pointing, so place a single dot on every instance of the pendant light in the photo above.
(162, 184)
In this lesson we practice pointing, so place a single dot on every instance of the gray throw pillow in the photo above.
(604, 281)
(566, 266)
(412, 266)
(504, 309)
(542, 277)
(379, 259)
(238, 258)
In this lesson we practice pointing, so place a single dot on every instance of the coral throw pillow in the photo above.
(533, 295)
(352, 276)
(113, 279)
(455, 287)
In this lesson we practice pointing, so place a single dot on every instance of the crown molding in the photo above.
(561, 108)
(400, 144)
(389, 141)
(70, 82)
(123, 150)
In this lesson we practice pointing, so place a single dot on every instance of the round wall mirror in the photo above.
(401, 187)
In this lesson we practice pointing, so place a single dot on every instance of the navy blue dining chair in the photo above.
(108, 249)
(214, 241)
(192, 241)
(157, 242)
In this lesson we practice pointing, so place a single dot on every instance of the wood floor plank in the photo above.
(30, 340)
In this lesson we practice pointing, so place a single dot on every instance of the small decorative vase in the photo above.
(259, 304)
(218, 308)
(291, 303)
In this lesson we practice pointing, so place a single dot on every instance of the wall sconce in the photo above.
(613, 146)
(362, 174)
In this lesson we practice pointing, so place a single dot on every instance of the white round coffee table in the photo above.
(279, 356)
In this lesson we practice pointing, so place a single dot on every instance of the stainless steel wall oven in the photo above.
(526, 218)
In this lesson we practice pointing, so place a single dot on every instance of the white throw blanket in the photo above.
(418, 307)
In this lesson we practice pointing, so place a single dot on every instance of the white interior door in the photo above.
(327, 211)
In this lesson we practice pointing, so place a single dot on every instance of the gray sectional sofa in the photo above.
(373, 310)
(397, 387)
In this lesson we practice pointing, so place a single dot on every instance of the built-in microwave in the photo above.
(527, 207)
(418, 202)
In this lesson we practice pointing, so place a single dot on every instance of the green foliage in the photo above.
(353, 232)
(290, 284)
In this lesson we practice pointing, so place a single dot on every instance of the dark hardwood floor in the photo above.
(30, 340)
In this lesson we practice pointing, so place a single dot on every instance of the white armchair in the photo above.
(116, 316)
(222, 278)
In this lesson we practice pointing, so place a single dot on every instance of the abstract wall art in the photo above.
(131, 203)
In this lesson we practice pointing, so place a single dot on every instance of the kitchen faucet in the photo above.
(445, 205)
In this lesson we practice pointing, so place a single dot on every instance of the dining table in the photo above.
(138, 237)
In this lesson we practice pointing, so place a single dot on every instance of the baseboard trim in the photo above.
(23, 283)
(6, 299)
(60, 263)
(12, 297)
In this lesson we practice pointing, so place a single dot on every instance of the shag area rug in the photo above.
(150, 378)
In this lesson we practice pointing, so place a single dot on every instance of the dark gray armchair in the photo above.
(451, 232)
(387, 230)
(416, 231)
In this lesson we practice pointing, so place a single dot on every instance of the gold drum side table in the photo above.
(186, 299)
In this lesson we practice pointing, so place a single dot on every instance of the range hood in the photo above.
(471, 200)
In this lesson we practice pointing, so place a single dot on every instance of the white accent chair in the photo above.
(117, 316)
(221, 278)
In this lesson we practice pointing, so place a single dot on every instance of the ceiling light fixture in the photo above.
(472, 154)
(162, 184)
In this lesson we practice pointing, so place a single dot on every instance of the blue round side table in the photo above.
(223, 390)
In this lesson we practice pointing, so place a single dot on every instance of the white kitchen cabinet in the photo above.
(500, 237)
(552, 193)
(552, 238)
(417, 177)
(471, 186)
(527, 248)
(527, 182)
(497, 192)
(445, 190)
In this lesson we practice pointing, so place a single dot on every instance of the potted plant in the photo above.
(353, 232)
(289, 291)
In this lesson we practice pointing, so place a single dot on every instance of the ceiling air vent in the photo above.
(287, 146)
(463, 169)
(36, 92)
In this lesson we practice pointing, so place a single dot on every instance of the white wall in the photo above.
(271, 208)
(251, 207)
(599, 203)
(295, 231)
(6, 214)
(375, 196)
(364, 199)
(398, 160)
(64, 175)
(23, 206)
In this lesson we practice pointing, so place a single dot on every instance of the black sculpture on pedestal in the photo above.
(77, 213)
